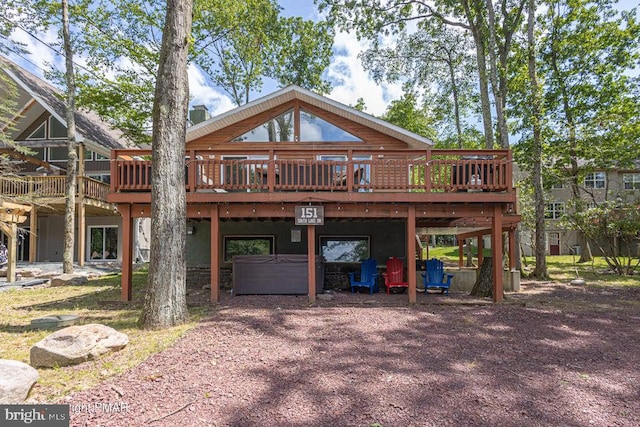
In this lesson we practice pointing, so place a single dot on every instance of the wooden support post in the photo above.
(12, 250)
(480, 249)
(127, 251)
(215, 254)
(512, 249)
(411, 253)
(82, 236)
(33, 233)
(461, 252)
(311, 261)
(496, 251)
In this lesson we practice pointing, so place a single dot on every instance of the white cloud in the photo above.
(39, 54)
(203, 94)
(350, 81)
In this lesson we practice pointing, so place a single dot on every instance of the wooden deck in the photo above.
(345, 175)
(52, 187)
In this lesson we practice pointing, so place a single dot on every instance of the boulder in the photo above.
(16, 379)
(578, 282)
(76, 344)
(69, 279)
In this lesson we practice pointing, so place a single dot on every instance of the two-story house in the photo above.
(39, 124)
(296, 175)
(597, 187)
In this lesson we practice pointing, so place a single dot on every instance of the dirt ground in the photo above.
(551, 355)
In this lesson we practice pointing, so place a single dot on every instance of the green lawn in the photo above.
(562, 268)
(95, 302)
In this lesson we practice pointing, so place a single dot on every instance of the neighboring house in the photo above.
(596, 187)
(296, 174)
(40, 125)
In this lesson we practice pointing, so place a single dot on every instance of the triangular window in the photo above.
(315, 129)
(39, 133)
(278, 129)
(57, 129)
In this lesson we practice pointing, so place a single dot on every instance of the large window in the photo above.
(595, 180)
(631, 181)
(344, 248)
(278, 129)
(247, 245)
(553, 210)
(315, 129)
(103, 243)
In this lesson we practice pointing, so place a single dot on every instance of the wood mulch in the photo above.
(551, 355)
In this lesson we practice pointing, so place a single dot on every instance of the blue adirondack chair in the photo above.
(434, 276)
(368, 276)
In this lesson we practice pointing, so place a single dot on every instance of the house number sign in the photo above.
(309, 215)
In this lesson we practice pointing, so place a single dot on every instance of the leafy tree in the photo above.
(492, 32)
(165, 302)
(614, 227)
(433, 54)
(592, 104)
(405, 113)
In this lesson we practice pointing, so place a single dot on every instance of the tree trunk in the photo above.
(165, 302)
(503, 132)
(540, 271)
(72, 156)
(456, 99)
(474, 25)
(469, 252)
(483, 287)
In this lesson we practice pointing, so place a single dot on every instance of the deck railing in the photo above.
(325, 170)
(51, 187)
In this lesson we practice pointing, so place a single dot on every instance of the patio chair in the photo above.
(394, 274)
(434, 276)
(368, 276)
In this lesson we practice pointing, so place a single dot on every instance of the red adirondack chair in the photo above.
(394, 274)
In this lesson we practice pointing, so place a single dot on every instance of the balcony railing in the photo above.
(51, 187)
(325, 170)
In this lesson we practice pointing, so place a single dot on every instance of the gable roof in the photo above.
(292, 92)
(91, 130)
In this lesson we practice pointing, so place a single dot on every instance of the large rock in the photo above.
(69, 279)
(16, 379)
(76, 344)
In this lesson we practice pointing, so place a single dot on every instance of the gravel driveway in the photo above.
(553, 355)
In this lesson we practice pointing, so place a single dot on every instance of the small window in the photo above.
(247, 245)
(39, 133)
(58, 154)
(56, 129)
(88, 154)
(101, 158)
(554, 210)
(595, 180)
(344, 248)
(631, 181)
